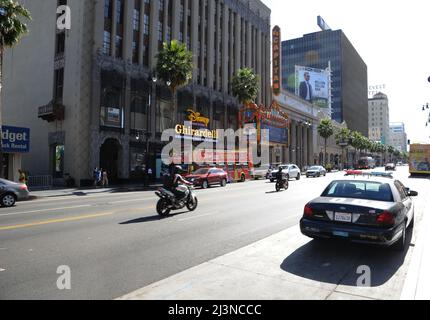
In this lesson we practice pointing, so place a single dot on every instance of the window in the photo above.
(58, 161)
(112, 113)
(359, 190)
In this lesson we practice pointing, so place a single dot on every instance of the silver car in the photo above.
(290, 170)
(10, 192)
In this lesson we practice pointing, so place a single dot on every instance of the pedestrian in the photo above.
(99, 176)
(95, 176)
(150, 175)
(22, 176)
(105, 181)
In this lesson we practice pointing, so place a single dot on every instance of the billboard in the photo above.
(276, 43)
(313, 85)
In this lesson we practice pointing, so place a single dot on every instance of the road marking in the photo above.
(1, 270)
(43, 210)
(45, 222)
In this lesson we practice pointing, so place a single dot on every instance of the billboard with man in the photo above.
(313, 85)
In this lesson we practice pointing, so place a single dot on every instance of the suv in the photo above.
(205, 177)
(291, 170)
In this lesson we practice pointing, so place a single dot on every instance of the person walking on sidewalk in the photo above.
(22, 176)
(105, 180)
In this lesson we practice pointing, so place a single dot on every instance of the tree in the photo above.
(11, 31)
(325, 130)
(357, 142)
(245, 85)
(391, 151)
(342, 139)
(175, 68)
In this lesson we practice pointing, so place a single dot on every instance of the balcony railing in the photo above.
(52, 111)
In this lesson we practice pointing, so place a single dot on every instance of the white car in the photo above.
(291, 170)
(260, 172)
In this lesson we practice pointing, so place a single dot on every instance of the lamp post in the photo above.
(148, 132)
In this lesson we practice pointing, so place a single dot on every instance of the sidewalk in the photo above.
(90, 190)
(417, 283)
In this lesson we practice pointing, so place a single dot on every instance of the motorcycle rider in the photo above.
(178, 181)
(280, 176)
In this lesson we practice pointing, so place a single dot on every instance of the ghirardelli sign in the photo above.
(276, 42)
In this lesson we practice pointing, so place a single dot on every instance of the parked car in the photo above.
(316, 171)
(260, 172)
(372, 210)
(10, 192)
(291, 170)
(206, 177)
(390, 167)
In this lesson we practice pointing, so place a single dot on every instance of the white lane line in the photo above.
(1, 270)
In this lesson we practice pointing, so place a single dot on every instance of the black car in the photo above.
(376, 210)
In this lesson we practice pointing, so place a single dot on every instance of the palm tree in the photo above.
(391, 151)
(325, 130)
(342, 139)
(245, 86)
(357, 141)
(175, 68)
(11, 31)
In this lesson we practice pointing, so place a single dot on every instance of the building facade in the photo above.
(325, 49)
(398, 136)
(92, 98)
(379, 119)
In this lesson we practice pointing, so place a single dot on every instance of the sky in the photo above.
(391, 36)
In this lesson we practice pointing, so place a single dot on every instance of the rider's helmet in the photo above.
(178, 169)
(280, 169)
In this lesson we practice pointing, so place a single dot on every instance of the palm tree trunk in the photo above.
(325, 153)
(1, 116)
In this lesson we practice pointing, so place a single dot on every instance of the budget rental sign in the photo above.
(15, 140)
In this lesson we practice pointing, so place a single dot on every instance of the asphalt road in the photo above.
(115, 243)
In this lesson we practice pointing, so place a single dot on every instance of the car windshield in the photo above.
(314, 168)
(201, 171)
(368, 190)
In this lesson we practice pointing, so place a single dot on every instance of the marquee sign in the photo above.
(276, 42)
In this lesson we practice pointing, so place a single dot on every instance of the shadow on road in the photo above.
(152, 218)
(336, 262)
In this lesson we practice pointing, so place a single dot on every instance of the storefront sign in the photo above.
(276, 40)
(187, 132)
(15, 140)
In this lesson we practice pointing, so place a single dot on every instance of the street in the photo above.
(115, 243)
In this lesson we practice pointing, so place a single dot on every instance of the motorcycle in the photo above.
(283, 184)
(168, 201)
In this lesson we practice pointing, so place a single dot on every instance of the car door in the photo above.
(296, 171)
(212, 176)
(406, 200)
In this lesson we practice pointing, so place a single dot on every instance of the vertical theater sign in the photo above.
(276, 41)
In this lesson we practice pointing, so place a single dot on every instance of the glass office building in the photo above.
(349, 73)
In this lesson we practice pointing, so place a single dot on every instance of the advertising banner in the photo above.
(419, 159)
(313, 85)
(15, 140)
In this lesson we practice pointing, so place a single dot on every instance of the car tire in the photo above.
(271, 180)
(400, 244)
(298, 176)
(223, 182)
(8, 200)
(242, 178)
(205, 184)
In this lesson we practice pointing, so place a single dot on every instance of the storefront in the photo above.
(15, 141)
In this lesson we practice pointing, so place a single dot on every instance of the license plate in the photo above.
(341, 234)
(343, 217)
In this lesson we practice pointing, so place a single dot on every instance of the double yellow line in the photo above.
(70, 219)
(45, 222)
